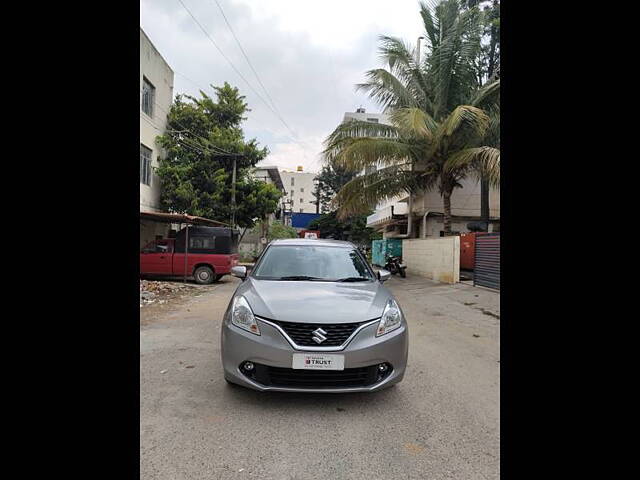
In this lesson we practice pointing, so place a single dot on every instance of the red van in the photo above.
(211, 254)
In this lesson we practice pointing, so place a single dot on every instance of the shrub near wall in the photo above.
(434, 258)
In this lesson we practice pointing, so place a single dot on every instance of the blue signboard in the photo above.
(302, 220)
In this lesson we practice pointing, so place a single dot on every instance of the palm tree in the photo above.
(438, 125)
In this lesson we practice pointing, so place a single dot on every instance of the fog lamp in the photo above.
(248, 366)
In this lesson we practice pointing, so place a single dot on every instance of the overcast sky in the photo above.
(309, 54)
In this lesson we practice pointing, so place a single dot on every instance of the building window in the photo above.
(292, 194)
(148, 96)
(301, 210)
(145, 165)
(302, 190)
(302, 200)
(372, 120)
(293, 181)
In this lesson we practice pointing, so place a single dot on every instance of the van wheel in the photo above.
(204, 275)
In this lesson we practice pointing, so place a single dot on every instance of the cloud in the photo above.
(309, 55)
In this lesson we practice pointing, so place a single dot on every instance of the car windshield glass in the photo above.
(313, 263)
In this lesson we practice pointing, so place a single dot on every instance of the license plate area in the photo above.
(317, 361)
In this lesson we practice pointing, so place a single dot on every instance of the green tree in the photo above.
(353, 228)
(330, 180)
(438, 131)
(203, 139)
(277, 230)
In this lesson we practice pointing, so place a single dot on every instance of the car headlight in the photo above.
(391, 318)
(242, 316)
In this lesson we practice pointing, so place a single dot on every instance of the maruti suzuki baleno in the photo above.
(312, 316)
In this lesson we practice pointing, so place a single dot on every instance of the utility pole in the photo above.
(317, 195)
(233, 195)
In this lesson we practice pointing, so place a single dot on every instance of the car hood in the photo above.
(315, 302)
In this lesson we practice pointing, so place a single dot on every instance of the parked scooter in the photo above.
(395, 265)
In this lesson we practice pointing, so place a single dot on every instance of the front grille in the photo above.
(302, 333)
(294, 378)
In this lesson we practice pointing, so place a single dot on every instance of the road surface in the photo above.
(442, 421)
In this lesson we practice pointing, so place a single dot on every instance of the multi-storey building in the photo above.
(299, 190)
(156, 95)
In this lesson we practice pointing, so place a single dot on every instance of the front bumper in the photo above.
(272, 349)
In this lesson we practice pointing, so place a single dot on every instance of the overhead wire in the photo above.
(294, 136)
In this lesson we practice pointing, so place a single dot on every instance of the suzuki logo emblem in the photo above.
(319, 335)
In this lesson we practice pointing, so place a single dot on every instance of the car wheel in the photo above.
(403, 274)
(219, 276)
(204, 275)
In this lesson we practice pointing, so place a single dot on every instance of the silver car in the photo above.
(312, 316)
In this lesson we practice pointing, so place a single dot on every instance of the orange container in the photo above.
(468, 250)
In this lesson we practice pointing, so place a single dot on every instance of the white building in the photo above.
(251, 242)
(156, 96)
(390, 216)
(299, 189)
(361, 114)
(271, 175)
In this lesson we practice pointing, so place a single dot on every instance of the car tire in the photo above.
(204, 275)
(403, 274)
(219, 276)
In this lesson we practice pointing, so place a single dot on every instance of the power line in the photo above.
(227, 59)
(275, 108)
(187, 78)
(247, 59)
(242, 76)
(216, 149)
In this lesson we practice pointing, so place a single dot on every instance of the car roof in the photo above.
(324, 242)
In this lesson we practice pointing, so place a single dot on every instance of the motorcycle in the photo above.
(395, 265)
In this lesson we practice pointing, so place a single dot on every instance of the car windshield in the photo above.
(315, 263)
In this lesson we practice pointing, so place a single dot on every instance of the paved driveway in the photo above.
(442, 421)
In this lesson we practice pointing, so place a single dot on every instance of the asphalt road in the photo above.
(442, 421)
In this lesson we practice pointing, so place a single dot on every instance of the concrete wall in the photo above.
(158, 72)
(434, 258)
(436, 224)
(465, 201)
(149, 230)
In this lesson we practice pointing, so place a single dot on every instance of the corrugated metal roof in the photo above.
(179, 218)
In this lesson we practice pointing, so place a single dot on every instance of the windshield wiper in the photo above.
(353, 279)
(300, 277)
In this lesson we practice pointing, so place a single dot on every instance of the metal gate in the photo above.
(487, 262)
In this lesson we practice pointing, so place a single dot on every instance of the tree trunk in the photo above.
(492, 45)
(242, 235)
(263, 233)
(446, 197)
(484, 200)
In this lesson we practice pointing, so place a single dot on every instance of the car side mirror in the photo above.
(383, 275)
(239, 271)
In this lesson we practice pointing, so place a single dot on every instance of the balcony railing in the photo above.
(386, 214)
